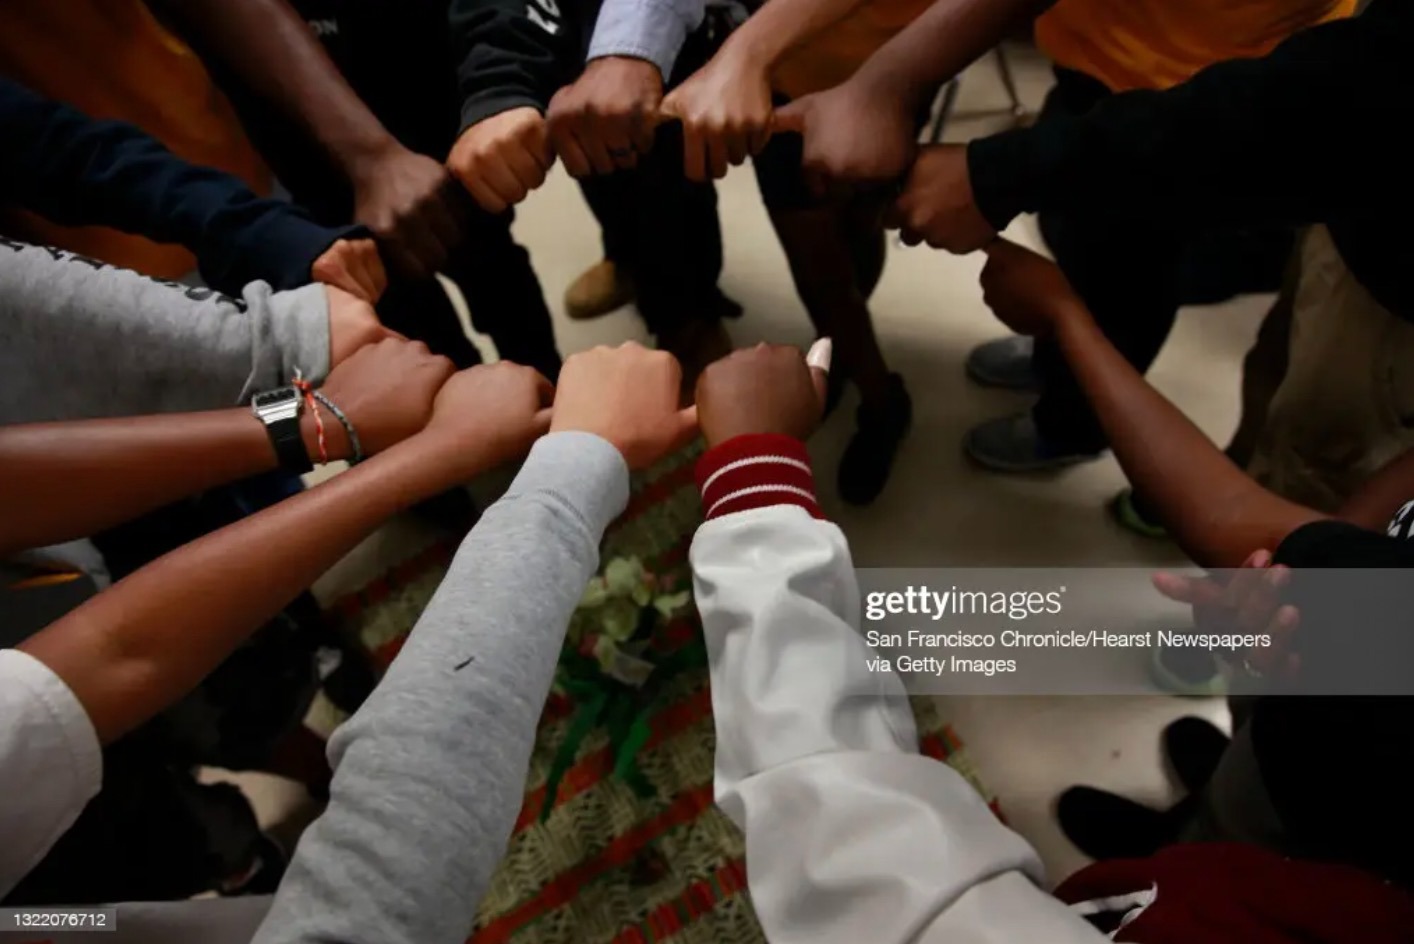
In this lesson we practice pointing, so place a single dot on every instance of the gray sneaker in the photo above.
(1012, 444)
(1004, 363)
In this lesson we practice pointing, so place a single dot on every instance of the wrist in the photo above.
(336, 440)
(363, 160)
(748, 51)
(756, 470)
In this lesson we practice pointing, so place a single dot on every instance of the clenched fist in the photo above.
(627, 395)
(769, 388)
(354, 266)
(387, 391)
(852, 137)
(937, 206)
(501, 159)
(606, 118)
(489, 414)
(726, 113)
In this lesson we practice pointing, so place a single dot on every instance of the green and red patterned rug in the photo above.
(618, 856)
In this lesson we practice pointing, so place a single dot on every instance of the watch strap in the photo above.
(288, 440)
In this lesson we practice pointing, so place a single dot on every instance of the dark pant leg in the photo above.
(1127, 278)
(503, 293)
(661, 227)
(1124, 273)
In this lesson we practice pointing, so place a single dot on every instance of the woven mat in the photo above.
(608, 866)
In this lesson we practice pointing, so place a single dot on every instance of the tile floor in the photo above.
(938, 510)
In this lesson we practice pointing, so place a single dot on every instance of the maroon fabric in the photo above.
(1228, 893)
(756, 471)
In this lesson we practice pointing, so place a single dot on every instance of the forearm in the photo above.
(1231, 146)
(63, 481)
(811, 741)
(182, 348)
(429, 774)
(75, 170)
(938, 45)
(1215, 512)
(141, 645)
(1379, 498)
(274, 53)
(780, 26)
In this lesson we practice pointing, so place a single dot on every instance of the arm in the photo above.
(1230, 146)
(908, 69)
(1214, 511)
(406, 199)
(139, 646)
(61, 481)
(76, 170)
(183, 348)
(429, 774)
(1382, 495)
(726, 107)
(864, 131)
(811, 745)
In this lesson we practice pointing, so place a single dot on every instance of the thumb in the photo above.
(818, 360)
(791, 117)
(541, 423)
(685, 426)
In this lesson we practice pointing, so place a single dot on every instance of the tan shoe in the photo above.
(600, 289)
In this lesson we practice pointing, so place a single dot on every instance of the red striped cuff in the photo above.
(756, 471)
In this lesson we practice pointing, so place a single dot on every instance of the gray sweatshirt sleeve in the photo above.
(82, 339)
(429, 774)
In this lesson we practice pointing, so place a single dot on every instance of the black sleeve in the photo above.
(1310, 133)
(512, 54)
(1336, 767)
(76, 170)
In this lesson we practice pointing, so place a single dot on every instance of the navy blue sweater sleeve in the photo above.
(76, 170)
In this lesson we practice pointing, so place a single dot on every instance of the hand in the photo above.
(386, 390)
(1247, 603)
(354, 266)
(352, 324)
(853, 137)
(412, 204)
(606, 118)
(627, 395)
(487, 415)
(502, 158)
(1025, 290)
(726, 113)
(769, 388)
(937, 206)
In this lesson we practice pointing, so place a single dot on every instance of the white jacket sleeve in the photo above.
(851, 835)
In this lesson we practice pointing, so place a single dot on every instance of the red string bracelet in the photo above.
(307, 390)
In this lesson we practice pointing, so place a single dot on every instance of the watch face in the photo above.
(270, 398)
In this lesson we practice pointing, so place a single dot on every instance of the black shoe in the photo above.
(1107, 826)
(1193, 748)
(869, 457)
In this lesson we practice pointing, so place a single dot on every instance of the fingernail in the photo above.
(820, 354)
